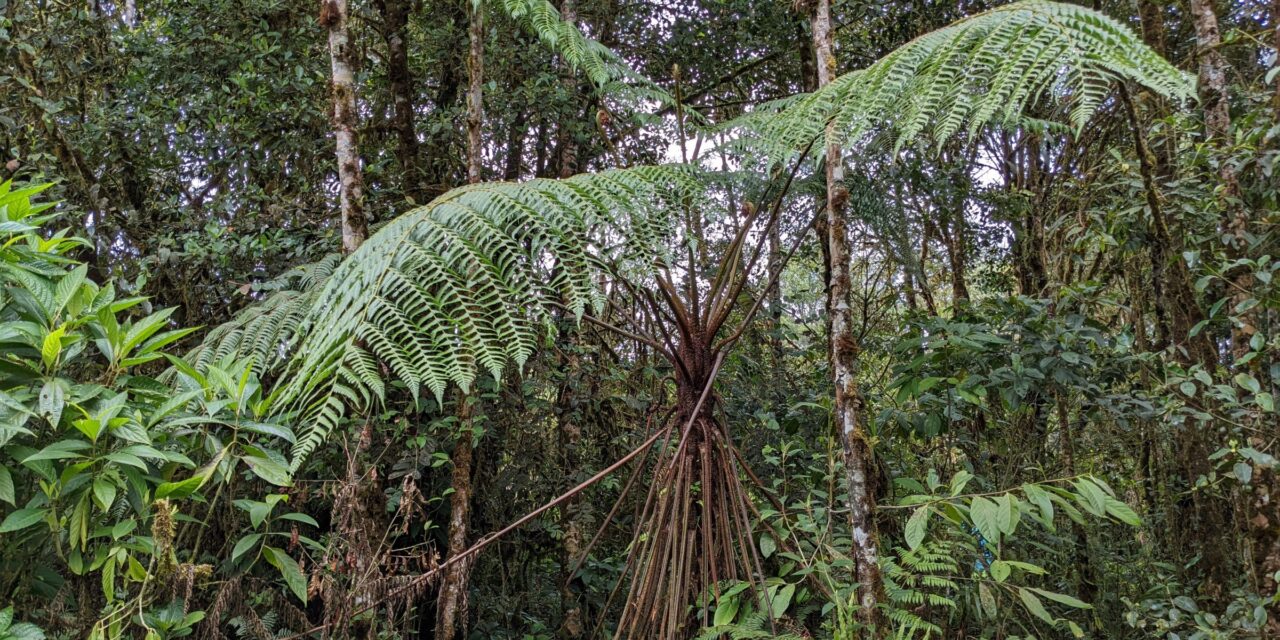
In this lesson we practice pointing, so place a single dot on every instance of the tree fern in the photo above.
(989, 68)
(462, 284)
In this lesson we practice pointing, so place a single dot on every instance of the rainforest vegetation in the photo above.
(639, 319)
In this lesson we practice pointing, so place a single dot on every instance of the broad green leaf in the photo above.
(1007, 515)
(109, 579)
(767, 545)
(7, 493)
(1248, 382)
(51, 347)
(959, 481)
(180, 489)
(987, 599)
(1123, 512)
(1243, 472)
(985, 515)
(782, 599)
(289, 570)
(1063, 598)
(53, 398)
(1040, 498)
(1265, 401)
(1000, 570)
(1092, 498)
(244, 544)
(726, 610)
(60, 450)
(301, 517)
(104, 493)
(1034, 605)
(917, 525)
(21, 519)
(268, 470)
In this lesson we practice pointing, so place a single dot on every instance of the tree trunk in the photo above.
(1152, 24)
(475, 94)
(515, 146)
(844, 355)
(1177, 311)
(333, 16)
(566, 145)
(1215, 97)
(569, 431)
(395, 19)
(778, 355)
(1088, 580)
(1275, 44)
(952, 233)
(451, 603)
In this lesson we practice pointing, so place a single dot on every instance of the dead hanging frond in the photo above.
(356, 555)
(227, 600)
(290, 616)
(254, 626)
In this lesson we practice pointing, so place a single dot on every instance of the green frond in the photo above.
(986, 69)
(265, 331)
(610, 74)
(464, 284)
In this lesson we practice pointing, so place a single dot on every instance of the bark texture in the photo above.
(1210, 514)
(333, 16)
(395, 20)
(451, 603)
(568, 147)
(844, 355)
(475, 94)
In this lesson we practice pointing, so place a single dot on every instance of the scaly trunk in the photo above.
(1152, 24)
(395, 19)
(333, 16)
(953, 240)
(1175, 301)
(844, 356)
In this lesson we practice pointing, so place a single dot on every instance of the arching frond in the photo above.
(986, 69)
(264, 332)
(463, 284)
